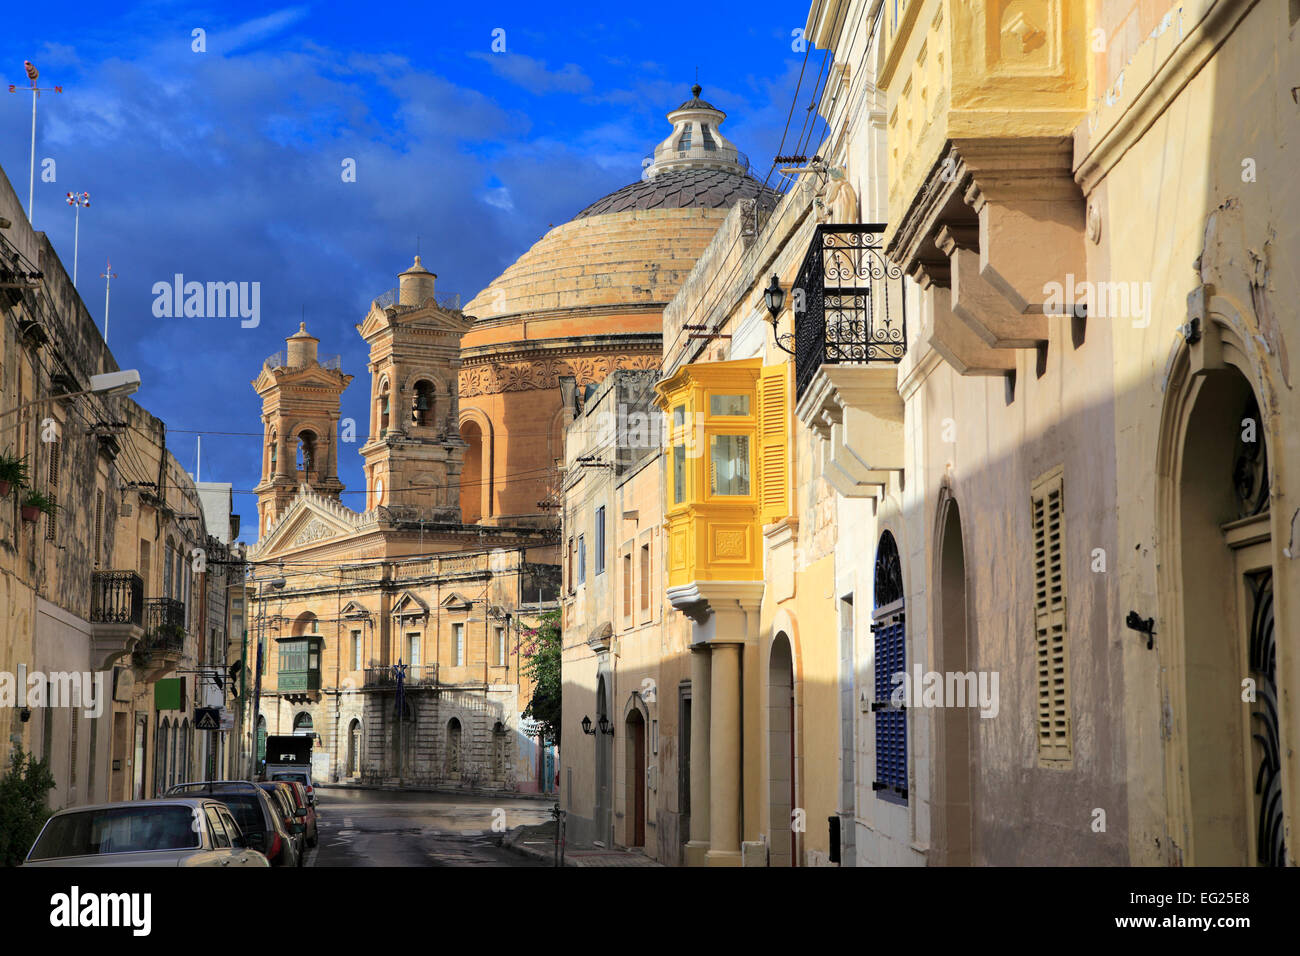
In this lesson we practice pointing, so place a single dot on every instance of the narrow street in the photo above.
(392, 828)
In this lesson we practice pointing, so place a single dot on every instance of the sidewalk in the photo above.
(539, 841)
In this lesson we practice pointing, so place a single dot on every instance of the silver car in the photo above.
(174, 832)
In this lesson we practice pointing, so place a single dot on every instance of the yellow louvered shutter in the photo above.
(1053, 670)
(773, 443)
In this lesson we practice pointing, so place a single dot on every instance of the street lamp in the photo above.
(774, 295)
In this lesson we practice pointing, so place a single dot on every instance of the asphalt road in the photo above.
(395, 828)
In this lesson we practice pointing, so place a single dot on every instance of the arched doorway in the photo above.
(635, 778)
(955, 723)
(604, 765)
(453, 748)
(781, 776)
(183, 754)
(354, 748)
(500, 754)
(161, 737)
(1231, 745)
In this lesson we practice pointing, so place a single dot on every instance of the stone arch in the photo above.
(355, 748)
(309, 440)
(454, 732)
(271, 461)
(954, 739)
(476, 477)
(782, 750)
(304, 624)
(635, 733)
(1223, 524)
(382, 407)
(604, 762)
(160, 755)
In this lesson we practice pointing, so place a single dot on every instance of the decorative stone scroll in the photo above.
(491, 378)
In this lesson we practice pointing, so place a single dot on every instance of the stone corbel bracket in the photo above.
(997, 226)
(856, 412)
(720, 611)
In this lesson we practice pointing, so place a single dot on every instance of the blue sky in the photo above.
(226, 165)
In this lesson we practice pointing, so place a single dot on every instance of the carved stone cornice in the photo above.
(495, 377)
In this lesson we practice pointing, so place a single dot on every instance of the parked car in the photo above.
(306, 812)
(261, 820)
(282, 794)
(302, 776)
(166, 832)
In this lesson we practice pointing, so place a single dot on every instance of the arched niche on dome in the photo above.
(476, 478)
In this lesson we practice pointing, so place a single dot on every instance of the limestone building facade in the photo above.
(337, 598)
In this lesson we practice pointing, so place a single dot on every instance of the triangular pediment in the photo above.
(305, 376)
(309, 520)
(428, 317)
(455, 600)
(408, 605)
(354, 610)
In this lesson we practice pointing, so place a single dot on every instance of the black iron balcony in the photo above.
(117, 597)
(421, 674)
(848, 302)
(164, 629)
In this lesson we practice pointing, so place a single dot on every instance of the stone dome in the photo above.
(680, 189)
(635, 246)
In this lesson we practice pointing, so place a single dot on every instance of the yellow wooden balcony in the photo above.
(727, 467)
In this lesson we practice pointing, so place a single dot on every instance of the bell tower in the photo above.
(414, 455)
(300, 421)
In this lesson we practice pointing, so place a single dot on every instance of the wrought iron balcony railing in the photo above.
(164, 630)
(420, 674)
(449, 301)
(117, 597)
(848, 302)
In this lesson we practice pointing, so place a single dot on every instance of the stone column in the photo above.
(701, 673)
(724, 757)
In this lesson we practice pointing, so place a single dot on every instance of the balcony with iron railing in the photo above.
(850, 322)
(848, 302)
(164, 629)
(117, 597)
(418, 675)
(116, 615)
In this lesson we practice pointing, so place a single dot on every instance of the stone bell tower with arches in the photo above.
(414, 455)
(300, 420)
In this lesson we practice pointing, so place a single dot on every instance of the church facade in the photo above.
(338, 597)
(457, 549)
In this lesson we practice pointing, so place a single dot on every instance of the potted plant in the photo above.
(35, 504)
(13, 473)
